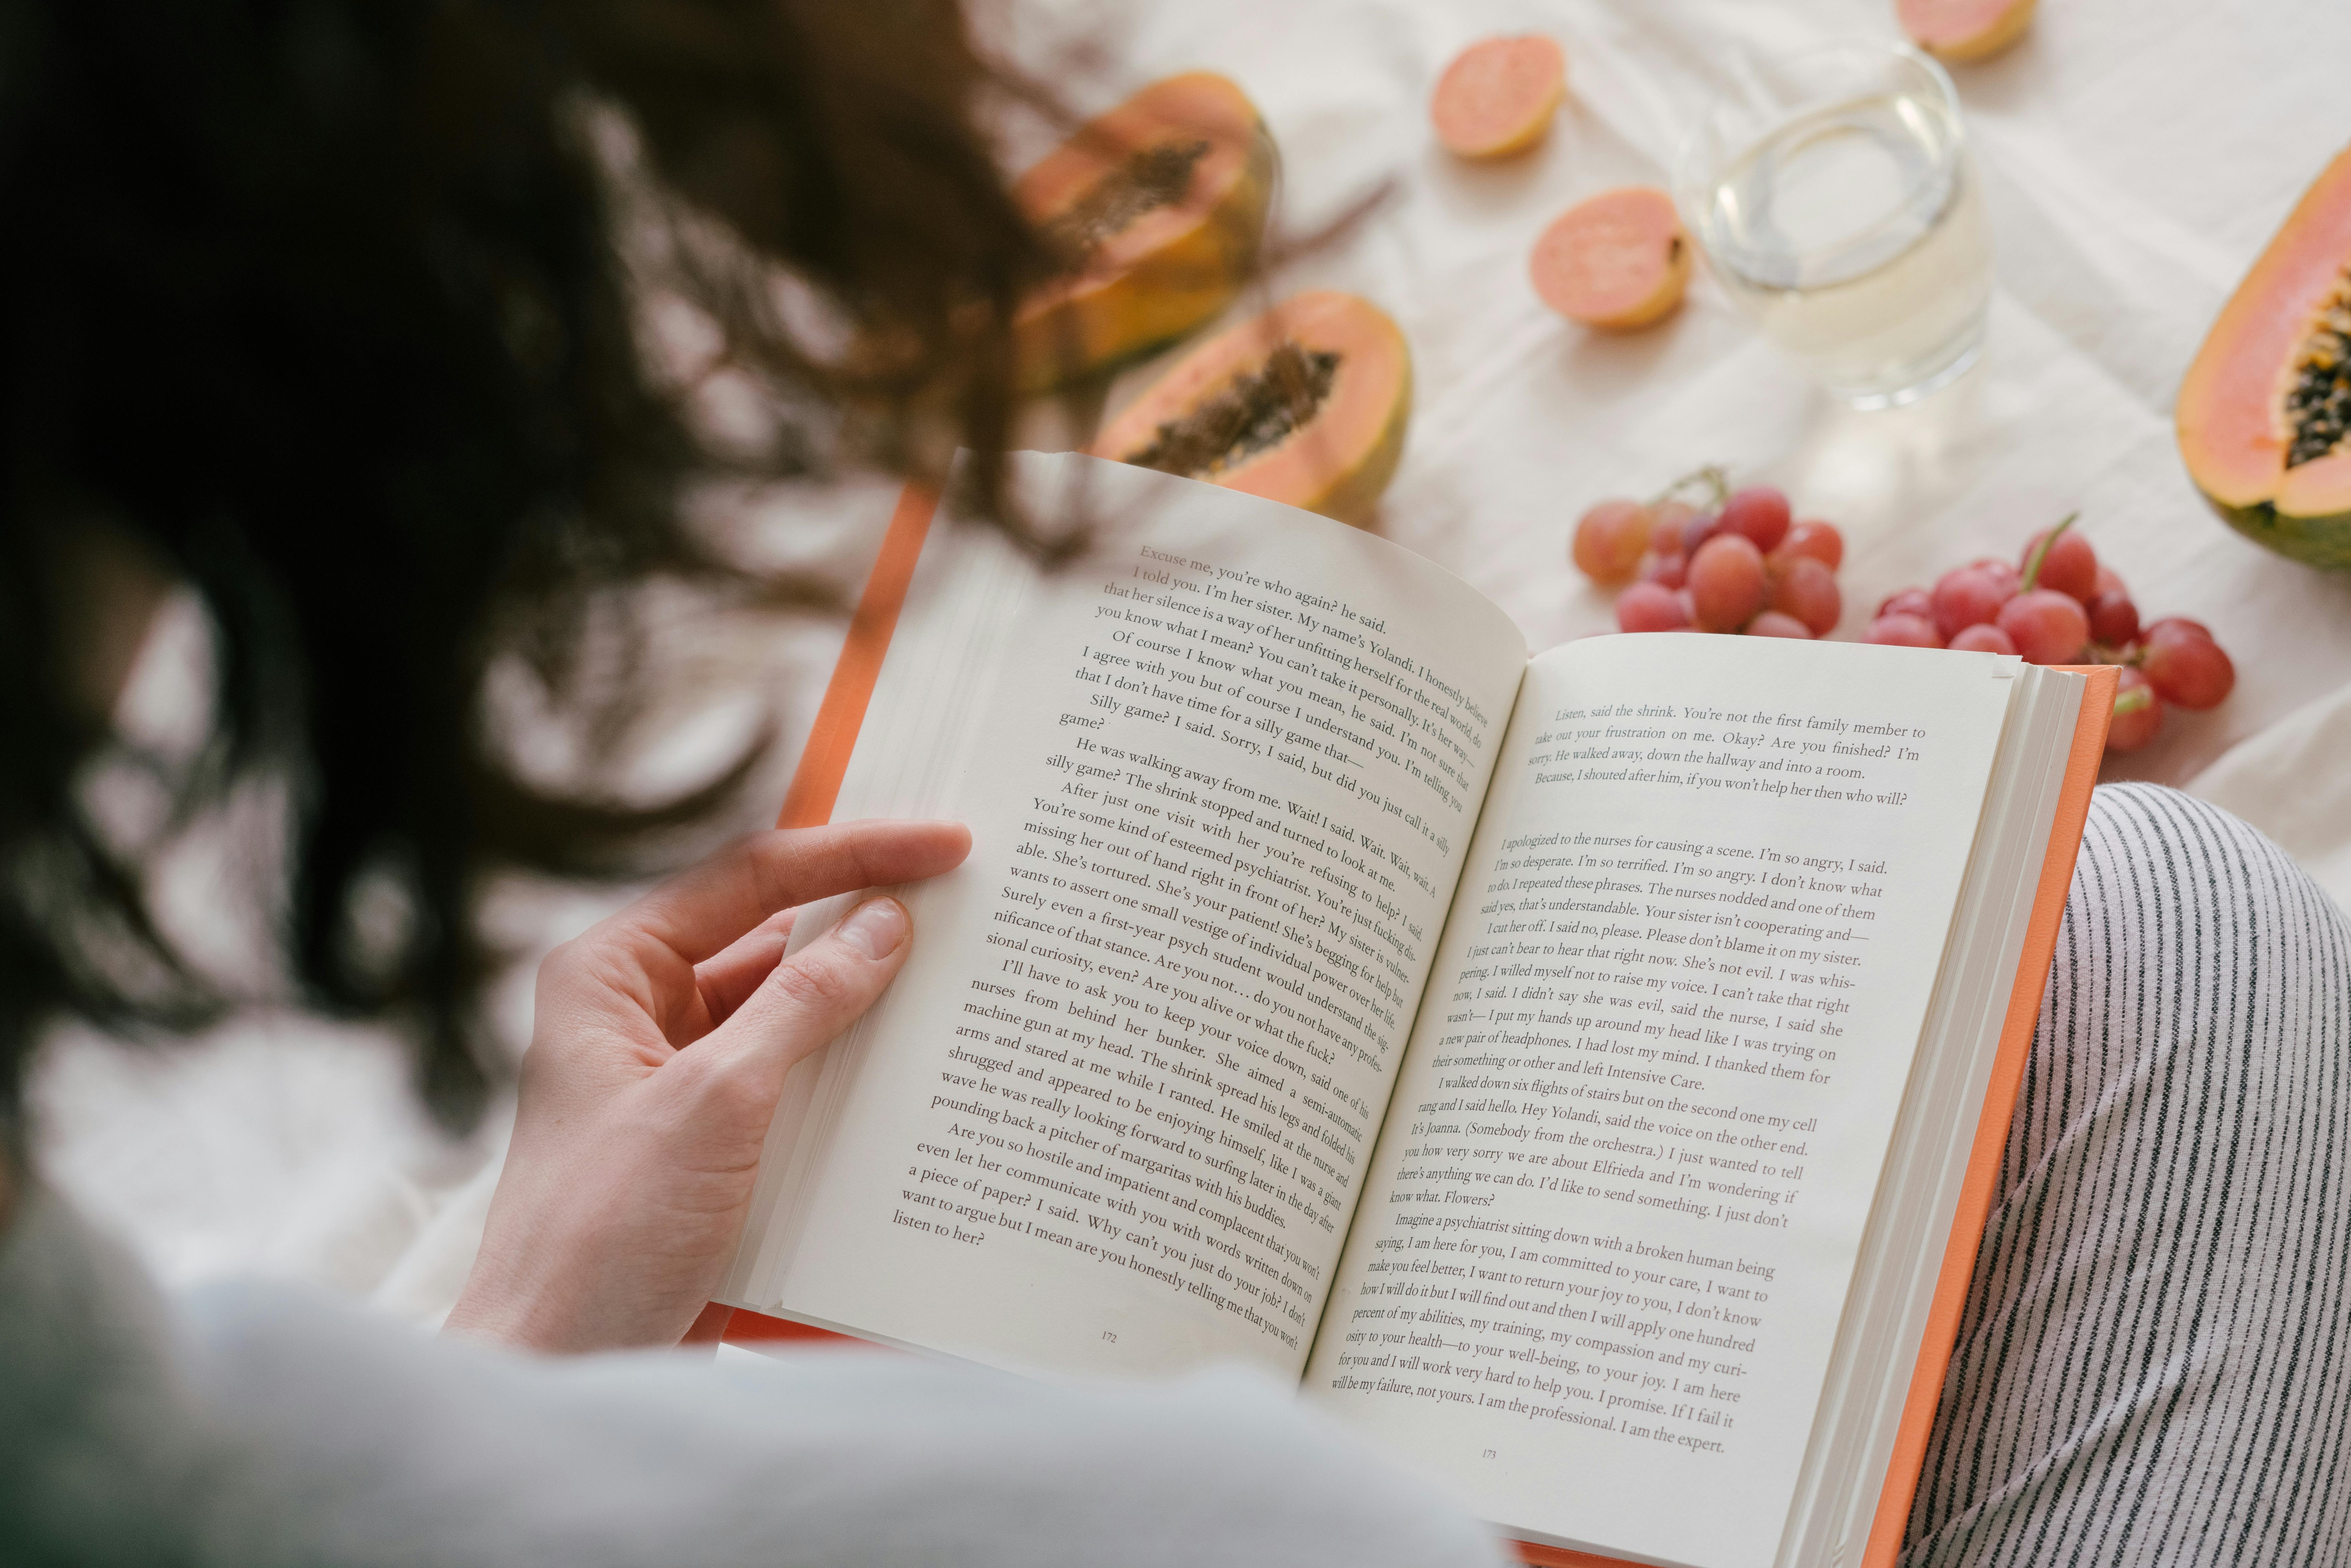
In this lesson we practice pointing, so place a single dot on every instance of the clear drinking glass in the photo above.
(1833, 194)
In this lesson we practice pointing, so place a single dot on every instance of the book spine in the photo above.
(816, 782)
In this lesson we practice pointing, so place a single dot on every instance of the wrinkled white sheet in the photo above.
(2137, 154)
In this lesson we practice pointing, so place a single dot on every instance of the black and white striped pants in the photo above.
(2155, 1364)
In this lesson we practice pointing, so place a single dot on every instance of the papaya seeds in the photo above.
(1154, 212)
(1255, 410)
(1156, 177)
(1306, 404)
(2318, 389)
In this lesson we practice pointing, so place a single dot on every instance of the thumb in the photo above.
(812, 996)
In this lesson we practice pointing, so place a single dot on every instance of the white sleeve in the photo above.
(355, 1443)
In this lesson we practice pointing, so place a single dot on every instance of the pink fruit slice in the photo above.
(1618, 260)
(1498, 96)
(1962, 30)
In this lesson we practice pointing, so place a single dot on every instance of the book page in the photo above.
(1620, 1194)
(1221, 776)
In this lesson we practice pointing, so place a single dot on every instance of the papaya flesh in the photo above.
(1305, 404)
(1157, 210)
(2265, 408)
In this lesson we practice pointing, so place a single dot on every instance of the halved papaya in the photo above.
(1305, 404)
(1157, 207)
(2265, 410)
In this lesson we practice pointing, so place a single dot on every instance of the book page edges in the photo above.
(1983, 1159)
(1992, 1127)
(824, 761)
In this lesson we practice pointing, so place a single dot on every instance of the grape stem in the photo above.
(2041, 553)
(2130, 655)
(1714, 477)
(2133, 700)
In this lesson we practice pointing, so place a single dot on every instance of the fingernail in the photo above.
(874, 928)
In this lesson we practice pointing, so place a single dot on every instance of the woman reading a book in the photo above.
(325, 324)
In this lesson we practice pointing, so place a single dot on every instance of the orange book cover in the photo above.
(817, 782)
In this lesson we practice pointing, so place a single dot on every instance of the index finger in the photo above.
(704, 909)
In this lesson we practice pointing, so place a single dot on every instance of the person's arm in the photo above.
(660, 1041)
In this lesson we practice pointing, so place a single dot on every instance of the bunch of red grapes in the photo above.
(1745, 566)
(2059, 606)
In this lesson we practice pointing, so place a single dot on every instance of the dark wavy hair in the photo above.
(318, 306)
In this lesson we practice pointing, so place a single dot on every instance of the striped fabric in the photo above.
(2154, 1365)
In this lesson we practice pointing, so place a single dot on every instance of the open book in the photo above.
(1584, 1074)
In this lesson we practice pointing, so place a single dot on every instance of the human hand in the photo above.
(659, 1047)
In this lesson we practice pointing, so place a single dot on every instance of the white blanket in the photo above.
(2137, 154)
